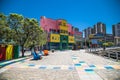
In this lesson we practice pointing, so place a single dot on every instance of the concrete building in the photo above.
(96, 33)
(60, 33)
(88, 31)
(78, 38)
(116, 33)
(99, 28)
(109, 38)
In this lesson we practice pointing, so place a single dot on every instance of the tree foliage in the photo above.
(22, 31)
(105, 44)
(108, 44)
(5, 31)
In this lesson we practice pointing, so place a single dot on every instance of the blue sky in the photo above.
(79, 13)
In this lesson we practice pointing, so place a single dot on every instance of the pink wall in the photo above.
(57, 24)
(70, 29)
(48, 24)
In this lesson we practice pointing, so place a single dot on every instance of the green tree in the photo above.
(22, 31)
(29, 34)
(110, 43)
(36, 36)
(5, 31)
(2, 25)
(15, 22)
(32, 32)
(105, 44)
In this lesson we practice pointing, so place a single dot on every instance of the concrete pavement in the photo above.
(63, 65)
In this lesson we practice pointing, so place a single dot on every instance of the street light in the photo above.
(104, 46)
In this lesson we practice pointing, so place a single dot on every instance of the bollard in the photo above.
(116, 56)
(108, 55)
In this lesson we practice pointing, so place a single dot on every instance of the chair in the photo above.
(35, 56)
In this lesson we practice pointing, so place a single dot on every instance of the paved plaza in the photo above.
(63, 65)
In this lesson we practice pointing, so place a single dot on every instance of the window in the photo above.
(58, 31)
(64, 38)
(118, 26)
(50, 29)
(118, 31)
(59, 23)
(54, 31)
(61, 31)
(66, 32)
(118, 35)
(69, 33)
(53, 37)
(64, 24)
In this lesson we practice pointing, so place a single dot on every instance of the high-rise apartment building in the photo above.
(116, 33)
(88, 31)
(96, 33)
(100, 28)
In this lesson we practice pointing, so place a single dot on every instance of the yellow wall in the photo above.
(91, 36)
(63, 28)
(54, 38)
(71, 39)
(9, 52)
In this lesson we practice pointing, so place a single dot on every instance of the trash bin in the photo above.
(2, 52)
(53, 50)
(9, 52)
(45, 52)
(16, 52)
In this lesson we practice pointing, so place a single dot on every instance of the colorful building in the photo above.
(78, 38)
(60, 33)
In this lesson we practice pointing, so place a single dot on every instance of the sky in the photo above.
(79, 13)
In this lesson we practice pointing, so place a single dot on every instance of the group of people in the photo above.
(38, 54)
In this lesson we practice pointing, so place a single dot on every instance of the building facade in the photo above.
(60, 33)
(97, 33)
(88, 32)
(109, 38)
(99, 28)
(116, 33)
(101, 38)
(78, 38)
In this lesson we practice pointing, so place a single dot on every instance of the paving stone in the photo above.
(63, 65)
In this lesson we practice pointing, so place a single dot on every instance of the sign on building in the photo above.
(94, 41)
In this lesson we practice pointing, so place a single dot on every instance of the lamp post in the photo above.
(104, 46)
(89, 44)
